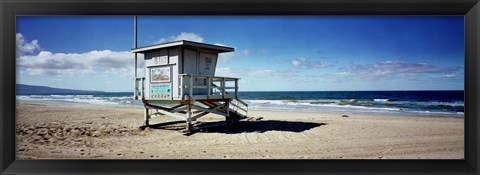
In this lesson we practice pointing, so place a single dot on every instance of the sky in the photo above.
(272, 53)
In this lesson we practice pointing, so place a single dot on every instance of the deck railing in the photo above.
(239, 106)
(213, 87)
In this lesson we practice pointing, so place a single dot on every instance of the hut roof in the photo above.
(191, 44)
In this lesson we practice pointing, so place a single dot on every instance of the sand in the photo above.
(72, 131)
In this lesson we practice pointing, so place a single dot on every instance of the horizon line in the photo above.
(101, 91)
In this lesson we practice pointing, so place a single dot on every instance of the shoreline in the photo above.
(448, 115)
(82, 131)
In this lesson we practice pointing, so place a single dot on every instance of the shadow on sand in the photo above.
(261, 126)
(258, 126)
(174, 125)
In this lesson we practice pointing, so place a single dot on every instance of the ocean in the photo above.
(406, 103)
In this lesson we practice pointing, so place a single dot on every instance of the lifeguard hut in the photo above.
(180, 82)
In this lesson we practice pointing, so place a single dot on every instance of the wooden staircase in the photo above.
(237, 109)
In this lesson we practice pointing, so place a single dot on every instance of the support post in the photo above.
(228, 118)
(190, 88)
(236, 88)
(227, 107)
(209, 87)
(142, 91)
(189, 117)
(147, 117)
(181, 87)
(223, 87)
(135, 91)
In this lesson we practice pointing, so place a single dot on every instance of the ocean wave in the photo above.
(365, 105)
(70, 96)
(362, 106)
(328, 103)
(83, 99)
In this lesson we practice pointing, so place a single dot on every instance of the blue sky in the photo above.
(272, 53)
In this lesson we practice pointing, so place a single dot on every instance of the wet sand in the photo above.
(72, 131)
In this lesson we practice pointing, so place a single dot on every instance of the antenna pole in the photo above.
(135, 91)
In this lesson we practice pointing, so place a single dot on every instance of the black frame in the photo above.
(9, 9)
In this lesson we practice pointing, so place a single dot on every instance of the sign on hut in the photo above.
(180, 82)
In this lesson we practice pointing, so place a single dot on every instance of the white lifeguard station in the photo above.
(180, 82)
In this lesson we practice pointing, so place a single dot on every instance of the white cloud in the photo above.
(304, 62)
(220, 44)
(25, 48)
(225, 57)
(72, 64)
(228, 72)
(224, 72)
(261, 73)
(263, 51)
(182, 36)
(393, 69)
(296, 63)
(244, 52)
(69, 64)
(59, 72)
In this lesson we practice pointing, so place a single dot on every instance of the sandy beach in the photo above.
(73, 131)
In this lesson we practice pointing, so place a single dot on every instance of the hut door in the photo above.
(190, 66)
(206, 64)
(190, 62)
